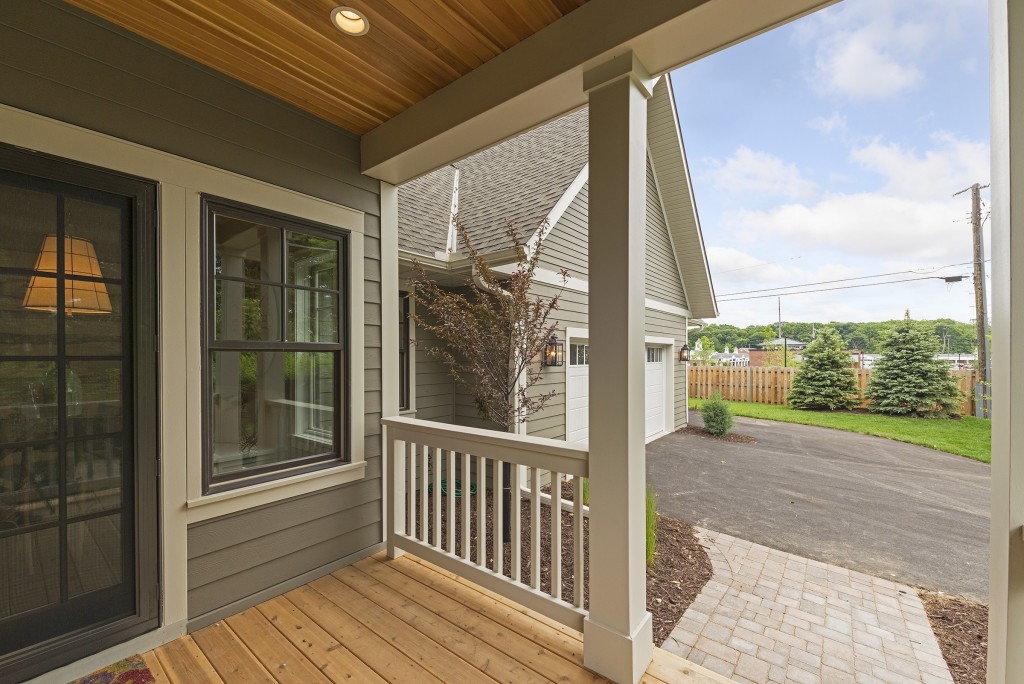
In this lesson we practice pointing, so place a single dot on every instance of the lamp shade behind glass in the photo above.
(80, 296)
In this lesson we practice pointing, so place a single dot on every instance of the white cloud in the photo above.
(876, 49)
(869, 224)
(952, 165)
(829, 125)
(749, 172)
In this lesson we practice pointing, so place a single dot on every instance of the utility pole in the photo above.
(780, 317)
(981, 388)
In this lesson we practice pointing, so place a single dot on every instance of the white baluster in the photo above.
(465, 506)
(497, 532)
(451, 502)
(577, 541)
(556, 535)
(535, 528)
(481, 511)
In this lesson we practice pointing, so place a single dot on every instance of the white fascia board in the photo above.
(541, 77)
(693, 201)
(549, 277)
(560, 208)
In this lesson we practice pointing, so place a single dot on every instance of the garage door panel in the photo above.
(577, 421)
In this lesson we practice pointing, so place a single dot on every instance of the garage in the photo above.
(577, 419)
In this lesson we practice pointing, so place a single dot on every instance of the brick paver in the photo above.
(771, 617)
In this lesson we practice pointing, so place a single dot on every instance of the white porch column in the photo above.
(1006, 591)
(617, 634)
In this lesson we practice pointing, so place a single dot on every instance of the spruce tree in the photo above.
(825, 379)
(908, 380)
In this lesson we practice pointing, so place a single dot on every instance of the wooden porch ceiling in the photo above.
(399, 621)
(290, 49)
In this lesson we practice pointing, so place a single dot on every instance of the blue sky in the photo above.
(830, 148)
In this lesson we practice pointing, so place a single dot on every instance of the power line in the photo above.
(846, 287)
(843, 280)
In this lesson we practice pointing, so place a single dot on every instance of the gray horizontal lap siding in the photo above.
(662, 275)
(566, 244)
(67, 65)
(434, 386)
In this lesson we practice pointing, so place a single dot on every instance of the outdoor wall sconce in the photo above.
(554, 352)
(684, 353)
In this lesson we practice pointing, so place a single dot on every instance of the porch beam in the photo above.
(617, 632)
(539, 78)
(1006, 590)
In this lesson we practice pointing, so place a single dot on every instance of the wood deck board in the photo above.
(399, 621)
(229, 656)
(527, 623)
(155, 668)
(281, 658)
(325, 652)
(461, 639)
(410, 641)
(184, 663)
(381, 655)
(506, 630)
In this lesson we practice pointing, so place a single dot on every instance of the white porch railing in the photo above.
(443, 479)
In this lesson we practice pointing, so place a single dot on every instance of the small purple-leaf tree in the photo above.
(492, 335)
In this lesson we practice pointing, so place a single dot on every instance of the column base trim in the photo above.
(622, 658)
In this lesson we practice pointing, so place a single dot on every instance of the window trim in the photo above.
(210, 207)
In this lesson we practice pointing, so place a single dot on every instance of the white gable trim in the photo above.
(452, 245)
(665, 307)
(560, 208)
(671, 242)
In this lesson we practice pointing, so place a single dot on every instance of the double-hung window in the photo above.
(275, 372)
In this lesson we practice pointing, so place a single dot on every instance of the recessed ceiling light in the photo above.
(350, 21)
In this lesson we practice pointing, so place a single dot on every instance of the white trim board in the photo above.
(563, 204)
(549, 277)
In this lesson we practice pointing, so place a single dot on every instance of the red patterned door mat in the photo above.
(131, 670)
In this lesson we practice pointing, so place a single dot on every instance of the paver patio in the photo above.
(771, 616)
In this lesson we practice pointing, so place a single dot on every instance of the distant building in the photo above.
(956, 361)
(736, 358)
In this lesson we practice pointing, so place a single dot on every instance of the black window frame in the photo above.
(404, 353)
(341, 453)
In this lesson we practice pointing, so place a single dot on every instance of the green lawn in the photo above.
(969, 436)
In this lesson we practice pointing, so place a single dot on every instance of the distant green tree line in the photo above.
(953, 337)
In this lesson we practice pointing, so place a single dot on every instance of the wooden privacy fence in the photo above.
(771, 385)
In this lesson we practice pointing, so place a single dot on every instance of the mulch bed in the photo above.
(728, 437)
(961, 627)
(681, 566)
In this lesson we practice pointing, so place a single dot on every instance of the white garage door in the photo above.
(577, 419)
(654, 392)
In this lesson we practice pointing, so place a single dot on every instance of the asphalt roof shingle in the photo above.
(519, 180)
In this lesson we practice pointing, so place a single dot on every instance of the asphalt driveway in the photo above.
(886, 508)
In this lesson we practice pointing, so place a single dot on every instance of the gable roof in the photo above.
(525, 178)
(668, 155)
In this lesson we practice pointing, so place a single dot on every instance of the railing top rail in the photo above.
(542, 446)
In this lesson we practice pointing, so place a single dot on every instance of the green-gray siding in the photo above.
(662, 276)
(66, 64)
